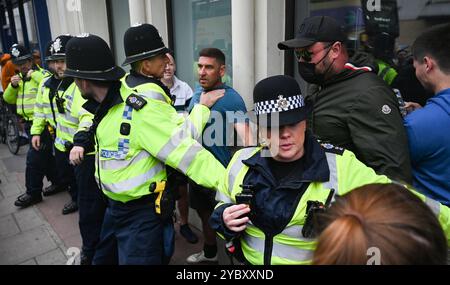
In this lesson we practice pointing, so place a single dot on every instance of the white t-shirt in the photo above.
(183, 93)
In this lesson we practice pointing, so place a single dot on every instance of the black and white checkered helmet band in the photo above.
(280, 105)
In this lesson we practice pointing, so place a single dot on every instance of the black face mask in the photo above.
(307, 71)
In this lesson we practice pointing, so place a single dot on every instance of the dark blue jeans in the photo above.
(91, 205)
(40, 164)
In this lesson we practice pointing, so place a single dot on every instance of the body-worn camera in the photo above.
(245, 197)
(313, 209)
(60, 104)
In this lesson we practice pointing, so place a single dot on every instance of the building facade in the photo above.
(247, 31)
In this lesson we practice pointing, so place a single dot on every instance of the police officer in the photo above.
(61, 103)
(40, 162)
(135, 135)
(266, 216)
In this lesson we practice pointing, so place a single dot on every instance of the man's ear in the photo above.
(222, 70)
(429, 63)
(336, 49)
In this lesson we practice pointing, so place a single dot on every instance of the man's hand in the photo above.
(15, 80)
(36, 142)
(231, 217)
(412, 106)
(29, 73)
(210, 98)
(76, 155)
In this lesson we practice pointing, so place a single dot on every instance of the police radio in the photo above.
(60, 104)
(245, 197)
(313, 208)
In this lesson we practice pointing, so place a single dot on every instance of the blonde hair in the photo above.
(387, 217)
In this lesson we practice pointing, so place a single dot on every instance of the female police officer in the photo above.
(281, 179)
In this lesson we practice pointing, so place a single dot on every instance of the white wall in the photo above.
(152, 12)
(257, 27)
(78, 16)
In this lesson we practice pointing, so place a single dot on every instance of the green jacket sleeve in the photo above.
(38, 75)
(10, 95)
(199, 116)
(355, 174)
(377, 132)
(39, 120)
(167, 138)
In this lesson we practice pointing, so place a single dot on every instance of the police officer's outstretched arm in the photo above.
(164, 135)
(356, 174)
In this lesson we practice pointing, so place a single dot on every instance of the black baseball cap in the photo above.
(315, 29)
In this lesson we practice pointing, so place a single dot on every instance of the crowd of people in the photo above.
(321, 178)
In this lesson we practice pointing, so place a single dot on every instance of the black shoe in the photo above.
(188, 234)
(70, 208)
(26, 200)
(53, 189)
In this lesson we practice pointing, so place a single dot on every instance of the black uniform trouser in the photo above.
(66, 173)
(39, 163)
(91, 205)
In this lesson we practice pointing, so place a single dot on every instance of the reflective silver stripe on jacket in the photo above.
(189, 156)
(28, 96)
(71, 119)
(152, 95)
(296, 233)
(85, 125)
(39, 115)
(25, 106)
(134, 182)
(333, 182)
(121, 164)
(280, 250)
(67, 130)
(175, 140)
(434, 205)
(60, 141)
(234, 171)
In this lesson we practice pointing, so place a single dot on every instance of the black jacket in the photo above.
(358, 111)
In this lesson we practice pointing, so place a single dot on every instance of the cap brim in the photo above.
(295, 43)
(55, 57)
(115, 74)
(21, 60)
(284, 118)
(135, 58)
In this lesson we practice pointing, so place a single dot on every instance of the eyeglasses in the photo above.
(307, 55)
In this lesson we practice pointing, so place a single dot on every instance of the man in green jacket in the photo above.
(353, 107)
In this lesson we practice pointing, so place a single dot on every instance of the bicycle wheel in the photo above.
(12, 134)
(2, 128)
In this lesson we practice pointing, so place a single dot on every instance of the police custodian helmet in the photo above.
(142, 41)
(20, 54)
(279, 95)
(58, 48)
(89, 57)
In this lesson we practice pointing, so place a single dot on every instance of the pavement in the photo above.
(40, 234)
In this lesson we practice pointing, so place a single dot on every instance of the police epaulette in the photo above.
(332, 149)
(136, 102)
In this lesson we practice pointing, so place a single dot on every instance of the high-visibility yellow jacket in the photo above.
(24, 95)
(289, 246)
(140, 134)
(73, 120)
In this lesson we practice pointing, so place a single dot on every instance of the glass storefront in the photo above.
(198, 24)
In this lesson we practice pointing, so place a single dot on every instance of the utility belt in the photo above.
(166, 193)
(144, 200)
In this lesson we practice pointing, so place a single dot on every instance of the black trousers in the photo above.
(40, 163)
(91, 206)
(66, 173)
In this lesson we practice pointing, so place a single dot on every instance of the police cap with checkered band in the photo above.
(280, 95)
